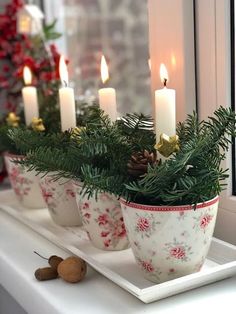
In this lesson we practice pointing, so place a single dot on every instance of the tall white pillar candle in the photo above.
(30, 99)
(66, 99)
(165, 108)
(107, 96)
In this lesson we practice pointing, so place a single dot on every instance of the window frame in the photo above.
(233, 82)
(214, 57)
(225, 72)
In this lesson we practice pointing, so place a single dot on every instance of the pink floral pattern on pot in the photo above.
(59, 196)
(169, 242)
(24, 183)
(103, 221)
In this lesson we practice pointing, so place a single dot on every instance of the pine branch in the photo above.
(194, 174)
(100, 180)
(46, 159)
(138, 130)
(28, 140)
(6, 143)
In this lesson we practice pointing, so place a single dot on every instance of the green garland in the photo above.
(23, 139)
(99, 153)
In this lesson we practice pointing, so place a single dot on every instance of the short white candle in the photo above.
(107, 96)
(67, 99)
(165, 109)
(30, 99)
(107, 102)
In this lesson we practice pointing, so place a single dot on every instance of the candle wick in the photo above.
(165, 81)
(66, 85)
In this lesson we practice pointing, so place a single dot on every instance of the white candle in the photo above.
(107, 96)
(165, 109)
(67, 99)
(30, 99)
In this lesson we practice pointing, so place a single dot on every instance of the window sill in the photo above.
(95, 294)
(225, 225)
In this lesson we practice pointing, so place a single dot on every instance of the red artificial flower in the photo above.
(18, 50)
(4, 84)
(18, 3)
(29, 61)
(18, 73)
(16, 47)
(2, 54)
(46, 76)
(4, 19)
(10, 107)
(6, 68)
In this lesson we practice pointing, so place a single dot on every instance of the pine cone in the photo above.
(139, 162)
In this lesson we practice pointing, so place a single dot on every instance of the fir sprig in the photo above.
(134, 124)
(194, 174)
(98, 154)
(6, 143)
(112, 147)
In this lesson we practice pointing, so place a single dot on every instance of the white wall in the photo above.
(171, 41)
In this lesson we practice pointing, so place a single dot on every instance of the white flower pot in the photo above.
(24, 183)
(169, 241)
(60, 198)
(103, 221)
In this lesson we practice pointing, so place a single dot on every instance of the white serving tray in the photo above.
(120, 267)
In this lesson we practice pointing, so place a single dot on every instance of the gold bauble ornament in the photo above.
(13, 120)
(37, 125)
(168, 145)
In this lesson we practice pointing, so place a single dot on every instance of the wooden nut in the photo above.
(54, 261)
(72, 269)
(46, 273)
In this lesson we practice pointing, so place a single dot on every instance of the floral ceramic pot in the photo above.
(3, 171)
(169, 242)
(103, 221)
(24, 183)
(59, 196)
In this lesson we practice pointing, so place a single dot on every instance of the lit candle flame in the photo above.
(27, 75)
(164, 74)
(104, 70)
(149, 64)
(63, 71)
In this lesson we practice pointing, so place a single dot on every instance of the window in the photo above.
(233, 82)
(117, 29)
(214, 57)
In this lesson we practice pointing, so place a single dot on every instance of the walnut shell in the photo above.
(72, 269)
